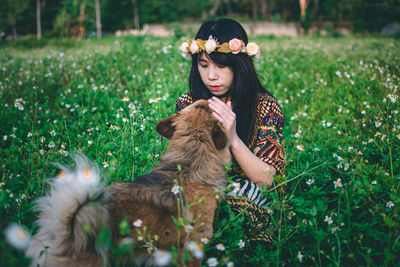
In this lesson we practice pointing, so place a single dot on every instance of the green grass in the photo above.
(339, 98)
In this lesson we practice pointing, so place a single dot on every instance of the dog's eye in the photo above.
(204, 107)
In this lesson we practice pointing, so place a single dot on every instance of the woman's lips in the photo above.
(214, 87)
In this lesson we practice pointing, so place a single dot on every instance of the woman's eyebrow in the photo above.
(203, 60)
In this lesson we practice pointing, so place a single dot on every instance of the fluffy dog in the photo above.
(78, 205)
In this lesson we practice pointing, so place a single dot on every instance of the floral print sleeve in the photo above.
(267, 143)
(183, 101)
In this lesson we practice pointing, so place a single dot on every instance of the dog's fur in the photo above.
(78, 206)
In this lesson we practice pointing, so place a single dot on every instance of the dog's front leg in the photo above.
(203, 203)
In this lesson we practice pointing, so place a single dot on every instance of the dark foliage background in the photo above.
(18, 17)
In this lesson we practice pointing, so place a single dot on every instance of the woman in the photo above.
(223, 73)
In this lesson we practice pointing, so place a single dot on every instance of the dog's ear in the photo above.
(219, 136)
(165, 127)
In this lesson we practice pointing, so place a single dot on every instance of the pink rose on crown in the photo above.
(235, 45)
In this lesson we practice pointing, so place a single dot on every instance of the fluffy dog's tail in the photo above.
(71, 215)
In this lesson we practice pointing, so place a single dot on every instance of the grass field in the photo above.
(339, 201)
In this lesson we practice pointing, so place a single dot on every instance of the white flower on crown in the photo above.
(184, 50)
(183, 47)
(210, 45)
(194, 48)
(252, 49)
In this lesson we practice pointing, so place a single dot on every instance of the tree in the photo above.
(13, 11)
(98, 21)
(136, 14)
(303, 7)
(255, 9)
(38, 22)
(75, 17)
(214, 9)
(315, 9)
(265, 9)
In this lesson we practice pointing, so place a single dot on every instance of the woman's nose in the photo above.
(212, 73)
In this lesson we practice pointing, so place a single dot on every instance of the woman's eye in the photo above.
(203, 66)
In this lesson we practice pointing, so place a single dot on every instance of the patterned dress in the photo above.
(267, 144)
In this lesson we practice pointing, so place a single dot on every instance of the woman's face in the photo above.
(218, 79)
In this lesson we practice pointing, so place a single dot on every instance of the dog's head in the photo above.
(196, 119)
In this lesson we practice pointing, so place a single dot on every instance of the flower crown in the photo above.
(234, 46)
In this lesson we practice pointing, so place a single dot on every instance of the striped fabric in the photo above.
(250, 190)
(256, 225)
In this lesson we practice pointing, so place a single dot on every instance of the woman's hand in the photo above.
(257, 170)
(223, 112)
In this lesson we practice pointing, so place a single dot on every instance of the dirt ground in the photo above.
(252, 29)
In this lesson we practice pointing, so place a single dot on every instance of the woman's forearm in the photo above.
(257, 170)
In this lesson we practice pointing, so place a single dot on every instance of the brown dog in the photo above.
(78, 207)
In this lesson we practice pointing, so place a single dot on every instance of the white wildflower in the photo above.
(196, 249)
(338, 183)
(162, 257)
(17, 236)
(390, 204)
(299, 256)
(212, 262)
(310, 181)
(138, 223)
(328, 219)
(220, 247)
(204, 240)
(175, 189)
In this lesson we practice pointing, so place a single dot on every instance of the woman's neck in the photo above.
(225, 97)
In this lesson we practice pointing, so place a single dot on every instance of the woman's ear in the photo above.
(165, 127)
(219, 136)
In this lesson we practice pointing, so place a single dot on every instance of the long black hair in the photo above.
(246, 86)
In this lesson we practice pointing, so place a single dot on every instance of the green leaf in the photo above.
(313, 211)
(320, 235)
(322, 205)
